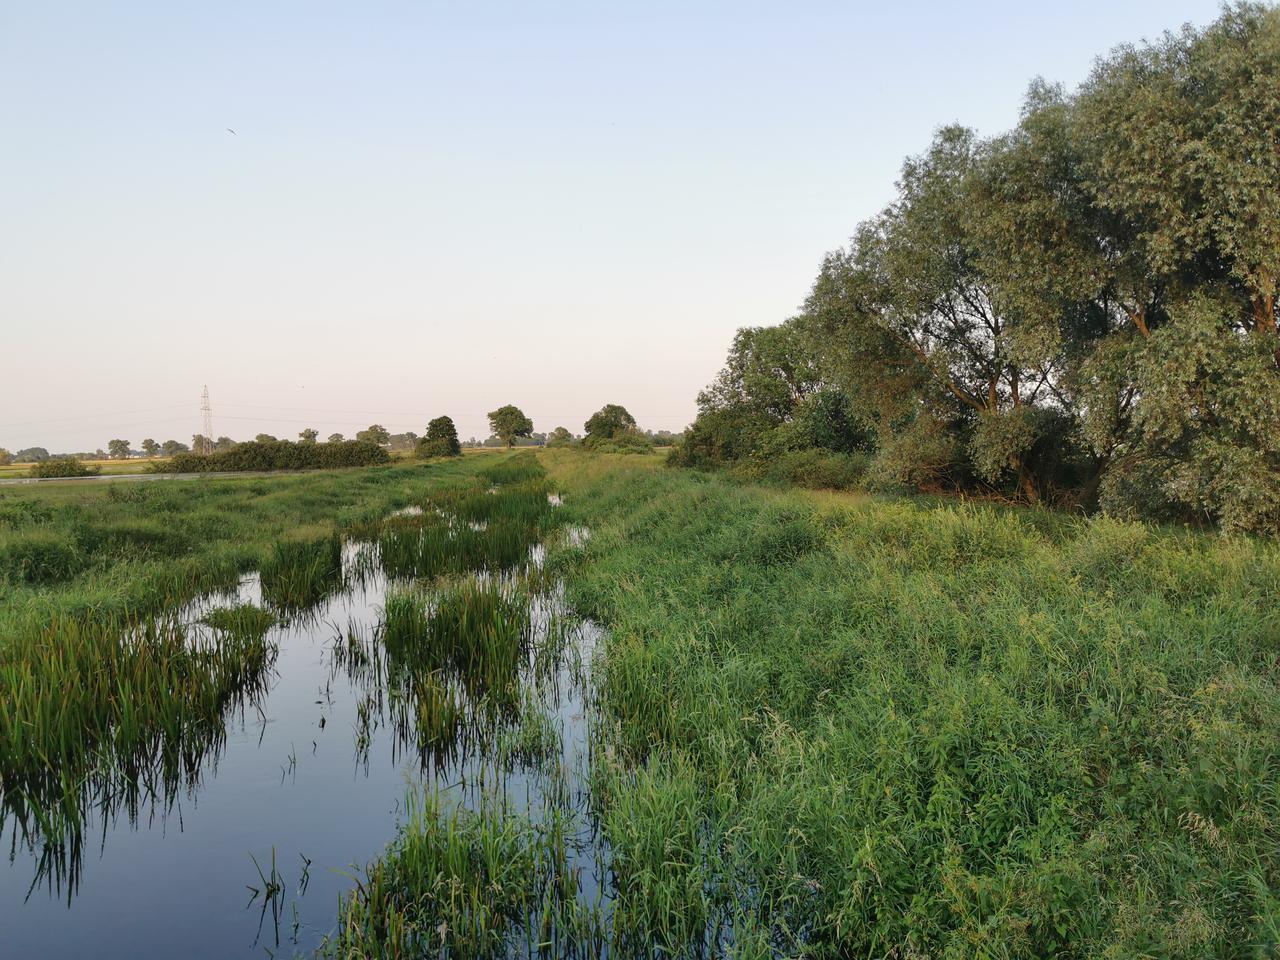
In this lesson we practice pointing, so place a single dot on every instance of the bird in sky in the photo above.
(232, 132)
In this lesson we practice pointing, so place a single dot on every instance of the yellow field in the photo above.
(13, 471)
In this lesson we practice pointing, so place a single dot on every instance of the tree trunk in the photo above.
(1026, 483)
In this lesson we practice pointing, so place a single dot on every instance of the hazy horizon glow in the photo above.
(435, 209)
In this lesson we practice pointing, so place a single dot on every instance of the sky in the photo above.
(440, 208)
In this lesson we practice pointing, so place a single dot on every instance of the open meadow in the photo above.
(584, 704)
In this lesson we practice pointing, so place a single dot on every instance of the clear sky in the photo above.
(435, 208)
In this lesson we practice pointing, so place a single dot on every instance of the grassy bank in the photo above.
(839, 726)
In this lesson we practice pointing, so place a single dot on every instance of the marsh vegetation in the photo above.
(813, 724)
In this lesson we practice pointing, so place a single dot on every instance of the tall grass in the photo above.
(466, 883)
(852, 727)
(298, 573)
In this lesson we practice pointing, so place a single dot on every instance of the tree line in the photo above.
(1082, 310)
(610, 428)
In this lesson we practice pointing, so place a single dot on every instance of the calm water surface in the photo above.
(299, 774)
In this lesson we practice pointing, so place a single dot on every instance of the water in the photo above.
(300, 774)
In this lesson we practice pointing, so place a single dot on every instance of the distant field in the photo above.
(140, 465)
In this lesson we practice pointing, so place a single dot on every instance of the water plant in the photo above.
(461, 882)
(298, 573)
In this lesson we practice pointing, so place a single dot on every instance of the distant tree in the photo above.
(662, 438)
(150, 447)
(560, 437)
(6, 457)
(264, 438)
(403, 441)
(223, 443)
(336, 438)
(200, 443)
(172, 448)
(375, 433)
(31, 455)
(309, 435)
(441, 439)
(508, 423)
(118, 449)
(608, 422)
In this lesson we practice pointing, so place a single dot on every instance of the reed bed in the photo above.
(837, 726)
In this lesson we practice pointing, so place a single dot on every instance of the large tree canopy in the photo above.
(608, 422)
(509, 422)
(1083, 308)
(441, 439)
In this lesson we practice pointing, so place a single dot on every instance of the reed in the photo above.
(298, 574)
(461, 883)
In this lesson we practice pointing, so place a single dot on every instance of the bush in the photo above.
(814, 469)
(921, 456)
(629, 442)
(278, 455)
(63, 467)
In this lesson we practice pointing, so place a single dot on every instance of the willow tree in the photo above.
(952, 362)
(1183, 144)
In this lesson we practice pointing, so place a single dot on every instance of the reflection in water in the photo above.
(140, 769)
(485, 704)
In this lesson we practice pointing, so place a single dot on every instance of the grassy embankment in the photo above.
(864, 727)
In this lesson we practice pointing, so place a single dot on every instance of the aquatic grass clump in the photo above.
(480, 630)
(103, 718)
(438, 713)
(39, 556)
(534, 740)
(242, 620)
(461, 883)
(298, 574)
(432, 546)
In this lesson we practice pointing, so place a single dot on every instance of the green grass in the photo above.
(299, 573)
(463, 883)
(850, 727)
(105, 700)
(824, 725)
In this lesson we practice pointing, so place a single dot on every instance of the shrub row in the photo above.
(278, 455)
